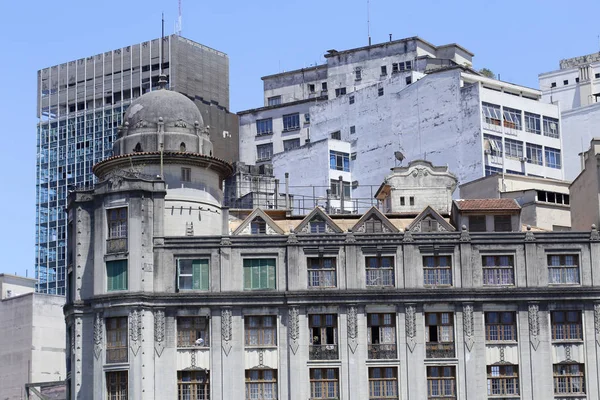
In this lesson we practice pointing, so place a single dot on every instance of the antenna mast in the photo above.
(178, 25)
(368, 20)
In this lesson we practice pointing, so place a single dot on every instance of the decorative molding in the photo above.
(226, 330)
(529, 237)
(408, 236)
(98, 332)
(464, 234)
(502, 356)
(180, 123)
(468, 326)
(292, 238)
(352, 328)
(597, 322)
(225, 241)
(261, 358)
(534, 325)
(568, 353)
(411, 327)
(594, 235)
(294, 328)
(135, 331)
(350, 238)
(159, 331)
(141, 124)
(193, 359)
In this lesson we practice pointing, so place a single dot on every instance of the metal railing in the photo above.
(323, 352)
(440, 350)
(383, 351)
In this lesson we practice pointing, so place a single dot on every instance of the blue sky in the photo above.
(516, 39)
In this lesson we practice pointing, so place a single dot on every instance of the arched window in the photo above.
(182, 147)
(137, 148)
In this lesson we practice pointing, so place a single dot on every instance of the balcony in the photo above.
(116, 245)
(384, 351)
(116, 355)
(323, 352)
(440, 350)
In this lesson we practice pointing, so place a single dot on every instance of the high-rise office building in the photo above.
(80, 107)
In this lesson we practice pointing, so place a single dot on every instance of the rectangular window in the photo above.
(489, 170)
(340, 92)
(324, 86)
(498, 270)
(569, 379)
(116, 340)
(324, 383)
(323, 339)
(358, 74)
(553, 197)
(493, 145)
(381, 336)
(503, 380)
(322, 272)
(352, 130)
(186, 174)
(192, 332)
(291, 144)
(411, 200)
(351, 100)
(311, 87)
(380, 270)
(264, 126)
(533, 123)
(383, 70)
(534, 154)
(566, 82)
(264, 151)
(394, 68)
(339, 161)
(193, 385)
(261, 384)
(408, 65)
(437, 271)
(317, 225)
(259, 273)
(291, 122)
(408, 80)
(566, 325)
(192, 274)
(563, 269)
(513, 148)
(402, 67)
(117, 385)
(553, 84)
(550, 127)
(441, 383)
(500, 327)
(116, 275)
(512, 118)
(402, 201)
(502, 223)
(383, 383)
(258, 226)
(117, 222)
(491, 114)
(260, 330)
(439, 335)
(380, 91)
(552, 157)
(307, 118)
(274, 101)
(337, 135)
(335, 190)
(477, 223)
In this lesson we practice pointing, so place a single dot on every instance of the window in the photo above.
(550, 127)
(192, 274)
(380, 270)
(264, 151)
(394, 68)
(512, 118)
(563, 269)
(532, 123)
(380, 91)
(402, 67)
(186, 174)
(491, 113)
(534, 154)
(274, 101)
(117, 385)
(335, 189)
(260, 330)
(553, 197)
(264, 126)
(182, 147)
(500, 326)
(439, 335)
(307, 118)
(566, 325)
(324, 86)
(383, 70)
(429, 225)
(402, 201)
(192, 332)
(503, 380)
(261, 384)
(513, 148)
(337, 135)
(352, 130)
(324, 383)
(597, 75)
(569, 378)
(259, 273)
(323, 339)
(358, 74)
(317, 225)
(116, 275)
(258, 226)
(321, 272)
(340, 92)
(408, 80)
(493, 144)
(477, 223)
(291, 122)
(498, 270)
(383, 383)
(351, 100)
(381, 336)
(373, 225)
(339, 161)
(489, 170)
(441, 383)
(411, 200)
(311, 87)
(553, 84)
(116, 340)
(117, 222)
(502, 223)
(192, 385)
(566, 82)
(552, 157)
(576, 80)
(291, 144)
(437, 271)
(408, 65)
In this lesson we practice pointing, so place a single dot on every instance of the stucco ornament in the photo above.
(408, 237)
(529, 237)
(98, 330)
(352, 328)
(594, 236)
(597, 322)
(534, 325)
(226, 330)
(294, 328)
(464, 234)
(135, 331)
(468, 326)
(159, 332)
(411, 327)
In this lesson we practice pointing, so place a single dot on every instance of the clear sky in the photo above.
(516, 39)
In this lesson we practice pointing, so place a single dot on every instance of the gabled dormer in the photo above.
(317, 222)
(374, 221)
(258, 223)
(430, 220)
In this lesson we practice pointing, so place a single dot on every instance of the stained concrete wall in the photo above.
(293, 85)
(585, 192)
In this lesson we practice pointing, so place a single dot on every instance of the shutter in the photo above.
(204, 275)
(109, 276)
(247, 274)
(196, 274)
(123, 275)
(271, 275)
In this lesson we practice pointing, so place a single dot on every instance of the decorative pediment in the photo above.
(317, 222)
(258, 222)
(430, 220)
(374, 221)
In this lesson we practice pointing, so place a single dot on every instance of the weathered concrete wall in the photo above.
(585, 193)
(293, 86)
(48, 339)
(580, 126)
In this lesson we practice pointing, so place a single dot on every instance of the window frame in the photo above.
(117, 339)
(339, 161)
(274, 100)
(512, 118)
(438, 382)
(500, 225)
(117, 224)
(568, 379)
(324, 382)
(186, 174)
(500, 331)
(498, 274)
(291, 122)
(264, 151)
(513, 148)
(565, 330)
(198, 385)
(492, 113)
(120, 281)
(261, 387)
(382, 385)
(188, 336)
(374, 265)
(203, 271)
(264, 126)
(552, 157)
(271, 273)
(474, 226)
(547, 125)
(504, 382)
(537, 150)
(265, 334)
(119, 388)
(324, 275)
(436, 271)
(563, 268)
(533, 123)
(291, 144)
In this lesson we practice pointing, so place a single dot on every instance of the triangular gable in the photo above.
(429, 212)
(330, 226)
(245, 227)
(386, 224)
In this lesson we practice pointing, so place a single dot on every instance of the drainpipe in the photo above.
(341, 186)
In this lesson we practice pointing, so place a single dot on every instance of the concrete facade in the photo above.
(585, 190)
(32, 332)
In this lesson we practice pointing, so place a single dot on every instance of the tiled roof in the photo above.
(487, 205)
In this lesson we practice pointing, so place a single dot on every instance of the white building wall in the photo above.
(581, 126)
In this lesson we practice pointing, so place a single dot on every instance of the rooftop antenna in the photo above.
(369, 20)
(162, 78)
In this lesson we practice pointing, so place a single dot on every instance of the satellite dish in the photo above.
(399, 156)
